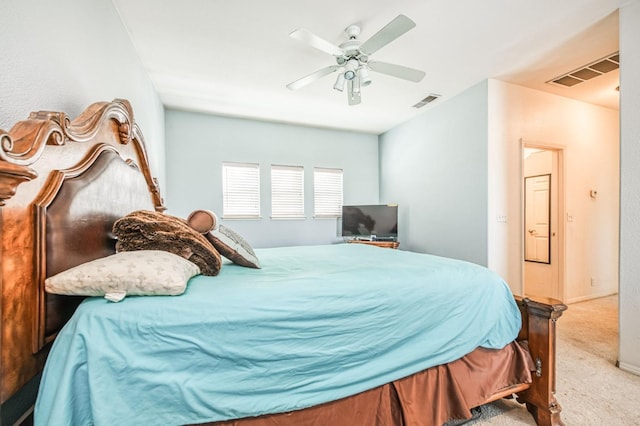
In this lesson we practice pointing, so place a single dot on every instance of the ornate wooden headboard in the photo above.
(63, 183)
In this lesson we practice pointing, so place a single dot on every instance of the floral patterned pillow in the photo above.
(142, 272)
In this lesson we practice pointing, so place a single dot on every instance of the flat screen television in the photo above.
(371, 222)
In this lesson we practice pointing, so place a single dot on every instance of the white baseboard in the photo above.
(591, 296)
(629, 368)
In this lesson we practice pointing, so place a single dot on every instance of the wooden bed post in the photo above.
(11, 175)
(539, 329)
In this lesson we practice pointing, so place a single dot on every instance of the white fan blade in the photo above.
(354, 97)
(394, 29)
(396, 71)
(312, 77)
(313, 40)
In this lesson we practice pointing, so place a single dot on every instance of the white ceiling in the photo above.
(236, 57)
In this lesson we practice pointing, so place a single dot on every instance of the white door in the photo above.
(537, 218)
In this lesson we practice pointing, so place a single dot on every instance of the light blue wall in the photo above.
(197, 144)
(435, 168)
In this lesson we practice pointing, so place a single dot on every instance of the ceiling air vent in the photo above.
(432, 97)
(587, 72)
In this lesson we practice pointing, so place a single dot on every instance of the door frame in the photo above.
(559, 216)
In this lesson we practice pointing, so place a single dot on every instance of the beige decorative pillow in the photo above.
(142, 272)
(226, 241)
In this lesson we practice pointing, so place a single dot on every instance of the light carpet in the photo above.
(590, 388)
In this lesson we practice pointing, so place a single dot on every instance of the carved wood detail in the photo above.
(12, 175)
(24, 143)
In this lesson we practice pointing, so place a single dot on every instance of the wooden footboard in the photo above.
(539, 318)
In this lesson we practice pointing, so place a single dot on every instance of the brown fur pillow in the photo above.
(148, 230)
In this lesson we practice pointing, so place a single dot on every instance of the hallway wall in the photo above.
(589, 135)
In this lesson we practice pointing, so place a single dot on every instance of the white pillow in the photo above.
(142, 272)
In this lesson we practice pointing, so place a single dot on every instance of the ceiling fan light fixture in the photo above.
(339, 84)
(363, 75)
(350, 69)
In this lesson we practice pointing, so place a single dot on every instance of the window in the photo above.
(240, 190)
(327, 192)
(287, 192)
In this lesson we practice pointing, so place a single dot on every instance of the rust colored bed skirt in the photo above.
(428, 398)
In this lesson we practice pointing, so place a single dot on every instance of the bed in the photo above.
(337, 334)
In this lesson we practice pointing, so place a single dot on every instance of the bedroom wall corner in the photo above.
(435, 167)
(629, 354)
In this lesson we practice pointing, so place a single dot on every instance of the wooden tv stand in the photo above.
(384, 244)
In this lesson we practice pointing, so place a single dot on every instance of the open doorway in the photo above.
(543, 224)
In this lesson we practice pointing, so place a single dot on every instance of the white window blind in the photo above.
(287, 192)
(327, 192)
(240, 190)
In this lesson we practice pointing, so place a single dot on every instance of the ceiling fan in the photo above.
(352, 58)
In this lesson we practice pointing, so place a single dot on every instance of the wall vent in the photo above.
(432, 97)
(587, 72)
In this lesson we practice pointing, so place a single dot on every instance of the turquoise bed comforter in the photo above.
(315, 324)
